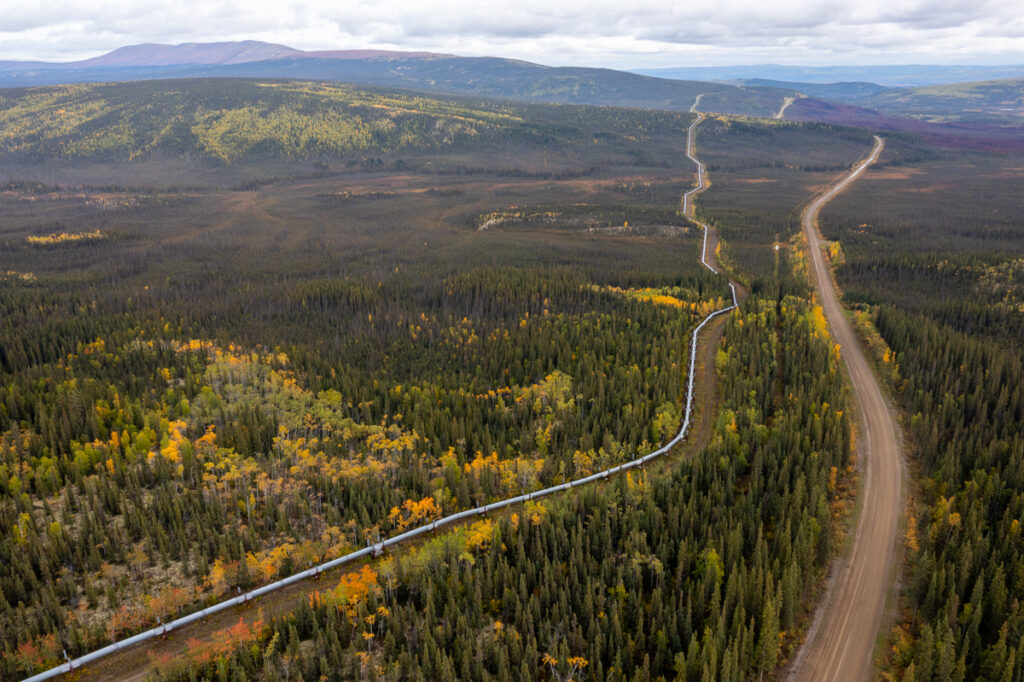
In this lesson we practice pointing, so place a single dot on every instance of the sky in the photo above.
(624, 34)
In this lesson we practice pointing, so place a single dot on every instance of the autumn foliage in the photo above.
(222, 643)
(413, 514)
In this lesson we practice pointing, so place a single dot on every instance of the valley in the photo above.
(256, 326)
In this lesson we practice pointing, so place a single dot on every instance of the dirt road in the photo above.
(842, 638)
(782, 109)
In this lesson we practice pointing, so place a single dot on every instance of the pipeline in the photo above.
(378, 548)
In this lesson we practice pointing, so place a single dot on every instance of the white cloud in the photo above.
(592, 32)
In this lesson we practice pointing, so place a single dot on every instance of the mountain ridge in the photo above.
(998, 103)
(214, 53)
(888, 75)
(418, 71)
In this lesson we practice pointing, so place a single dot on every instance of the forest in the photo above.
(253, 325)
(184, 417)
(934, 262)
(699, 572)
(123, 456)
(228, 121)
(927, 254)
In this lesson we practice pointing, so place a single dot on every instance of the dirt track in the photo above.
(842, 638)
(782, 109)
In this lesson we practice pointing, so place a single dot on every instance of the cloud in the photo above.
(593, 32)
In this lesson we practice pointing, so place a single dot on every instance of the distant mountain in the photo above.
(756, 90)
(243, 52)
(477, 76)
(889, 75)
(240, 52)
(154, 54)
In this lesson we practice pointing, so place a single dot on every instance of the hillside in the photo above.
(888, 75)
(475, 76)
(229, 120)
(842, 91)
(967, 134)
(751, 91)
(495, 77)
(999, 101)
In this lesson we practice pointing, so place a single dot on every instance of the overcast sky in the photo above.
(614, 33)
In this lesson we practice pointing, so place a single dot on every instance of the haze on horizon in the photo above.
(643, 34)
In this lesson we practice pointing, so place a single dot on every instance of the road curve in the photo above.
(842, 638)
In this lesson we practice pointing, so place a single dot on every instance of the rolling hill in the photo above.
(997, 102)
(224, 121)
(842, 91)
(889, 75)
(477, 76)
(964, 134)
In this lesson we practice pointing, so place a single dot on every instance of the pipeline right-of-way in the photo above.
(379, 547)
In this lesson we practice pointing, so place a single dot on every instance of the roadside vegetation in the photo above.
(701, 571)
(934, 256)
